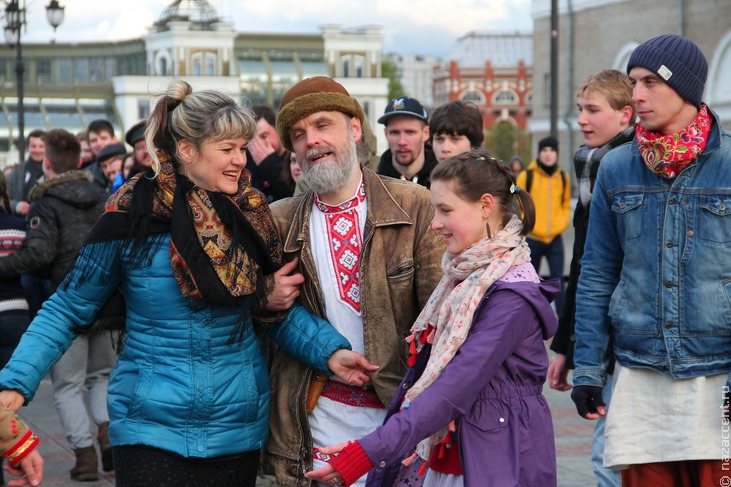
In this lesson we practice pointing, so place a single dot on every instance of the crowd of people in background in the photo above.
(398, 300)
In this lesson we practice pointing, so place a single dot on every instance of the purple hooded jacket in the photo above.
(492, 389)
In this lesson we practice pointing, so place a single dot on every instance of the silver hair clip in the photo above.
(481, 158)
(514, 188)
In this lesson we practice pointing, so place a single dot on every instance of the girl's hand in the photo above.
(11, 399)
(30, 470)
(351, 367)
(328, 474)
(558, 374)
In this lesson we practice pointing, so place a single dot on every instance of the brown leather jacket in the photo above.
(400, 267)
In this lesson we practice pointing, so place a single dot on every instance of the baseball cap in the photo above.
(405, 105)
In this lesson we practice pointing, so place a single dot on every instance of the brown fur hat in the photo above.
(311, 95)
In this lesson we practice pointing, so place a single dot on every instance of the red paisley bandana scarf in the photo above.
(668, 155)
(345, 243)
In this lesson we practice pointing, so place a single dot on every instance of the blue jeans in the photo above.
(553, 252)
(605, 476)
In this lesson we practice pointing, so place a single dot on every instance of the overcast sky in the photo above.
(410, 26)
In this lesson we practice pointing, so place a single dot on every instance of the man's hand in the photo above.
(589, 402)
(260, 148)
(22, 208)
(286, 287)
(11, 400)
(351, 367)
(558, 374)
(30, 470)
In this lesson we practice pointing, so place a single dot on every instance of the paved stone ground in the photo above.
(573, 443)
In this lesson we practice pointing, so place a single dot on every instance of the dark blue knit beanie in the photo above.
(677, 61)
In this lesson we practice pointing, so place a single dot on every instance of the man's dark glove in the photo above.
(587, 399)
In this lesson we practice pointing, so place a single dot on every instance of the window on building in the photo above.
(505, 97)
(110, 67)
(197, 60)
(43, 71)
(346, 68)
(81, 70)
(63, 113)
(313, 68)
(367, 109)
(254, 79)
(133, 64)
(284, 76)
(473, 97)
(210, 64)
(96, 71)
(31, 110)
(359, 62)
(163, 67)
(4, 71)
(122, 66)
(63, 70)
(143, 108)
(33, 115)
(718, 90)
(96, 108)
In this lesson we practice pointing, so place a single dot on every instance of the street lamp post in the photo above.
(15, 21)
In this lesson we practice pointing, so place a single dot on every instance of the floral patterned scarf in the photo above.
(219, 243)
(447, 316)
(668, 155)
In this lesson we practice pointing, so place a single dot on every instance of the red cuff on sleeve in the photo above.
(352, 463)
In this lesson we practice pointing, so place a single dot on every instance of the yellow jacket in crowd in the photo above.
(552, 196)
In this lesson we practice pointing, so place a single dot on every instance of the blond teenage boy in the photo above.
(606, 119)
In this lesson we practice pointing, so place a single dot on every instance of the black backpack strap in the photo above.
(529, 181)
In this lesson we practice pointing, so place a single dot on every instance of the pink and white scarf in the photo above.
(447, 316)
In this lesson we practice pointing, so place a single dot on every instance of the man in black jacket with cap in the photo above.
(407, 131)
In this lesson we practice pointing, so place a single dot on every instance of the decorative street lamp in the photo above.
(15, 21)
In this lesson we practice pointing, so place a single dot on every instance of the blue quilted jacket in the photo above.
(178, 385)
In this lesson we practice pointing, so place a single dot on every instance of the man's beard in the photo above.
(410, 158)
(330, 176)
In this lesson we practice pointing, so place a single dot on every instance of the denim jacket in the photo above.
(655, 285)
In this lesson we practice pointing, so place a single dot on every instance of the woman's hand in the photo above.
(351, 367)
(328, 474)
(11, 400)
(30, 470)
(286, 287)
(558, 374)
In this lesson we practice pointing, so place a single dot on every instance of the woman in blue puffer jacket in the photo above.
(187, 245)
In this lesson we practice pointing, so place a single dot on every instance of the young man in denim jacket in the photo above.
(655, 285)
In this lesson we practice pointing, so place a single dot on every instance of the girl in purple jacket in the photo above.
(470, 407)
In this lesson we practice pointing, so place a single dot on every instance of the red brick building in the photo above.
(492, 70)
